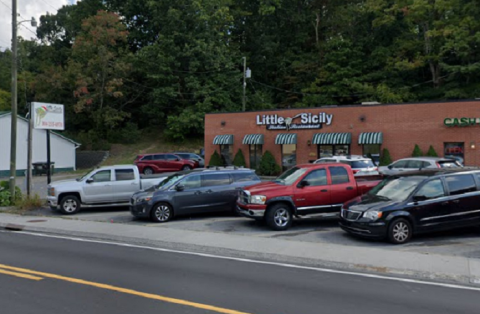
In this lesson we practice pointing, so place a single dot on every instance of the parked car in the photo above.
(359, 164)
(304, 190)
(105, 186)
(415, 202)
(418, 163)
(194, 157)
(156, 163)
(192, 192)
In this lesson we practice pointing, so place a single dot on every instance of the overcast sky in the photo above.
(27, 9)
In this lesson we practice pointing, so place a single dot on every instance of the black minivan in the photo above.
(192, 192)
(415, 202)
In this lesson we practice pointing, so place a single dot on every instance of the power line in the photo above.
(5, 5)
(49, 4)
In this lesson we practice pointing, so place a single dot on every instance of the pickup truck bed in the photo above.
(304, 190)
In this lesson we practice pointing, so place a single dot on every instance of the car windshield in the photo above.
(169, 181)
(84, 176)
(362, 163)
(396, 188)
(290, 176)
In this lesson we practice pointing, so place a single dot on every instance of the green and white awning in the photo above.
(286, 138)
(370, 138)
(253, 139)
(223, 139)
(332, 138)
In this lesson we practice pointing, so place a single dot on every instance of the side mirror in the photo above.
(303, 184)
(179, 187)
(419, 198)
(90, 180)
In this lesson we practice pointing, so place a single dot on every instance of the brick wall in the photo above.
(403, 126)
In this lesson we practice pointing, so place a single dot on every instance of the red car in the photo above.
(156, 163)
(304, 190)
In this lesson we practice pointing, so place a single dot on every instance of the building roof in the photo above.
(7, 113)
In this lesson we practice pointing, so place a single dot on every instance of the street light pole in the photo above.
(13, 132)
(244, 81)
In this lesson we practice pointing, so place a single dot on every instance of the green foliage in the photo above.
(5, 101)
(385, 159)
(28, 203)
(268, 166)
(5, 194)
(239, 159)
(129, 134)
(417, 152)
(216, 160)
(431, 152)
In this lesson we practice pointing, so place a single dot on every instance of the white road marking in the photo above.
(247, 260)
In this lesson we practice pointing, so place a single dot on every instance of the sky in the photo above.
(27, 10)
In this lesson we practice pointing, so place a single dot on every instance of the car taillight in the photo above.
(438, 165)
(354, 171)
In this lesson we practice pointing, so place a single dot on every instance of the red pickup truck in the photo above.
(303, 190)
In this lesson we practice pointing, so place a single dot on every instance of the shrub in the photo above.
(31, 202)
(215, 160)
(385, 159)
(268, 166)
(129, 134)
(417, 152)
(431, 152)
(5, 194)
(239, 159)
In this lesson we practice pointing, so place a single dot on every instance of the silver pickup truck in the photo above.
(102, 187)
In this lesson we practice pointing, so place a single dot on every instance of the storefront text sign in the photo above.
(303, 121)
(461, 122)
(48, 116)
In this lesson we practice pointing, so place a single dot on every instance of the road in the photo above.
(53, 275)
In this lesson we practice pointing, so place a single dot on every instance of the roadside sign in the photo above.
(48, 116)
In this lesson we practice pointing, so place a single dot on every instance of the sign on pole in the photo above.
(48, 116)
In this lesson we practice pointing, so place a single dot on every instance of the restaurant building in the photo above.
(296, 136)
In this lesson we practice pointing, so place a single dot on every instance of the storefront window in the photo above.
(289, 156)
(455, 151)
(372, 151)
(255, 155)
(333, 150)
(226, 152)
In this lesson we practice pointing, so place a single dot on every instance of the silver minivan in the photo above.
(418, 163)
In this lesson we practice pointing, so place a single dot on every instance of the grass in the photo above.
(150, 143)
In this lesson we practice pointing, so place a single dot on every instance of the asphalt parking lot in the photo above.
(464, 242)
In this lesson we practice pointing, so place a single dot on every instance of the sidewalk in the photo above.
(376, 260)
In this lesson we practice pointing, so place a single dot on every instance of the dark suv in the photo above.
(192, 192)
(415, 202)
(157, 163)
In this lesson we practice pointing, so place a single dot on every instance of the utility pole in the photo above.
(13, 131)
(244, 81)
(246, 74)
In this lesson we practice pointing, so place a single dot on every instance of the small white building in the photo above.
(62, 149)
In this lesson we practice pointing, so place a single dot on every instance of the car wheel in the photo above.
(70, 205)
(279, 217)
(400, 231)
(148, 171)
(161, 212)
(186, 167)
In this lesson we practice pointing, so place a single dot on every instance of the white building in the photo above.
(62, 149)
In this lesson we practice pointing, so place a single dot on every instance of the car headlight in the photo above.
(51, 191)
(143, 199)
(258, 199)
(372, 215)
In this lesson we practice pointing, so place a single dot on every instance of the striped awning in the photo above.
(332, 138)
(223, 139)
(370, 138)
(286, 138)
(253, 139)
